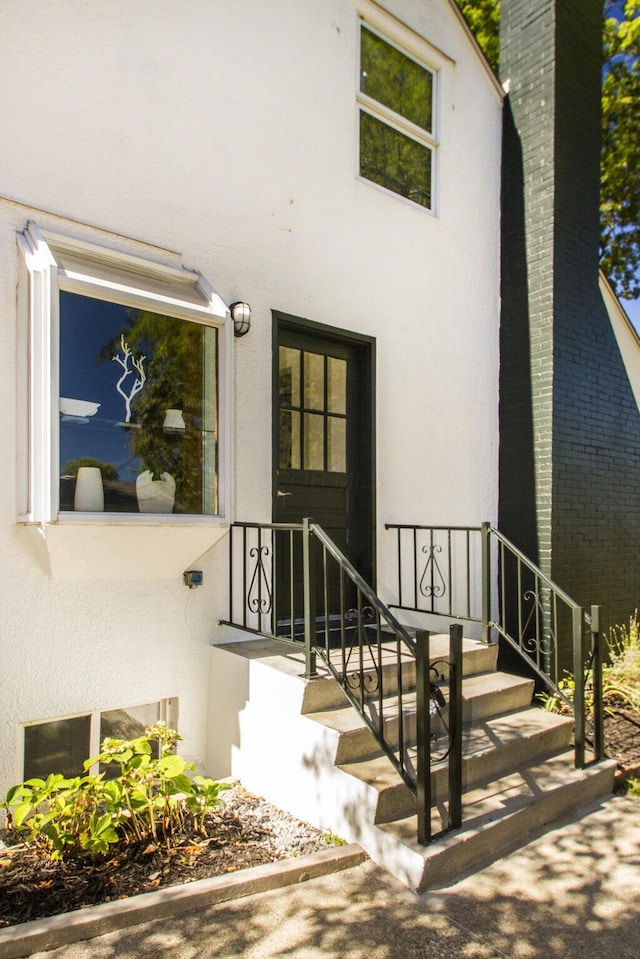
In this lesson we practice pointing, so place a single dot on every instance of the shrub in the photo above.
(151, 800)
(631, 787)
(620, 675)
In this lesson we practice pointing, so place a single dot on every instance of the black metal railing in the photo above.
(476, 574)
(292, 583)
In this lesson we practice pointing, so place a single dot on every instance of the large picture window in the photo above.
(396, 99)
(138, 410)
(123, 390)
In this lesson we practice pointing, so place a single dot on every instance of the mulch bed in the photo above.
(32, 887)
(622, 738)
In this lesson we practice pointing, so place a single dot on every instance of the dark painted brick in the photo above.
(570, 428)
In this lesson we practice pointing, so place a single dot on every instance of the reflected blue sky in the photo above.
(87, 325)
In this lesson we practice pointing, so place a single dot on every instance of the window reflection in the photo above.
(395, 161)
(313, 441)
(314, 381)
(61, 747)
(394, 79)
(313, 424)
(138, 405)
(396, 120)
(337, 385)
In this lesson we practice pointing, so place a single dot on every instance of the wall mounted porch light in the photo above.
(241, 316)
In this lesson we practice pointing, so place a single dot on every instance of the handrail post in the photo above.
(423, 737)
(309, 585)
(598, 710)
(578, 674)
(486, 582)
(455, 726)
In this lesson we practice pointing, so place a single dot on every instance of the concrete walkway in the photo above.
(572, 893)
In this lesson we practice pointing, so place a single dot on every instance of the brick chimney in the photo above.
(569, 424)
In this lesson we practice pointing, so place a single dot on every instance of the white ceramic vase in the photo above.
(173, 421)
(155, 496)
(89, 495)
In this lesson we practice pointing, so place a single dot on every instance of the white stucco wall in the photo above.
(227, 132)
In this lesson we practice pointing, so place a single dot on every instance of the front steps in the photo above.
(305, 748)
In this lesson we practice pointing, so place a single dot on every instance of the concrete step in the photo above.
(488, 750)
(477, 658)
(518, 776)
(497, 816)
(484, 696)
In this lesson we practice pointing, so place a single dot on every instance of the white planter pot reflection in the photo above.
(155, 496)
(173, 422)
(89, 495)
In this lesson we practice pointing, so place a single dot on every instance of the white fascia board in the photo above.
(98, 288)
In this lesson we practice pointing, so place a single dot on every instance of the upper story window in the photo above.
(124, 384)
(396, 107)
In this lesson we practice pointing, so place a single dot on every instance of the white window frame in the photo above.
(427, 56)
(168, 713)
(116, 277)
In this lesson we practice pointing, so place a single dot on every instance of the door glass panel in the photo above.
(313, 441)
(314, 382)
(337, 385)
(289, 376)
(337, 445)
(289, 440)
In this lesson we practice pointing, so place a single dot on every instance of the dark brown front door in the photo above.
(324, 438)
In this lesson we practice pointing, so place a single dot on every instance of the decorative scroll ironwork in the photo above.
(437, 705)
(432, 582)
(259, 595)
(367, 678)
(544, 642)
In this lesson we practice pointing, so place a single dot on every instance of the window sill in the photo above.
(116, 550)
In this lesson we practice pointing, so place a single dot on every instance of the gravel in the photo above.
(282, 833)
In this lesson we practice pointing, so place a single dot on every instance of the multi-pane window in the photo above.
(396, 100)
(63, 745)
(313, 411)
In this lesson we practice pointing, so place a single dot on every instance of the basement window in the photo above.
(63, 745)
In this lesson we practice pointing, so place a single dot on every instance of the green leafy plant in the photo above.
(631, 787)
(621, 680)
(151, 800)
(620, 675)
(554, 703)
(332, 840)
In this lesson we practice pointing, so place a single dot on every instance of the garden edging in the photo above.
(24, 939)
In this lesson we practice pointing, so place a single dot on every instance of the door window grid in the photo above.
(312, 411)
